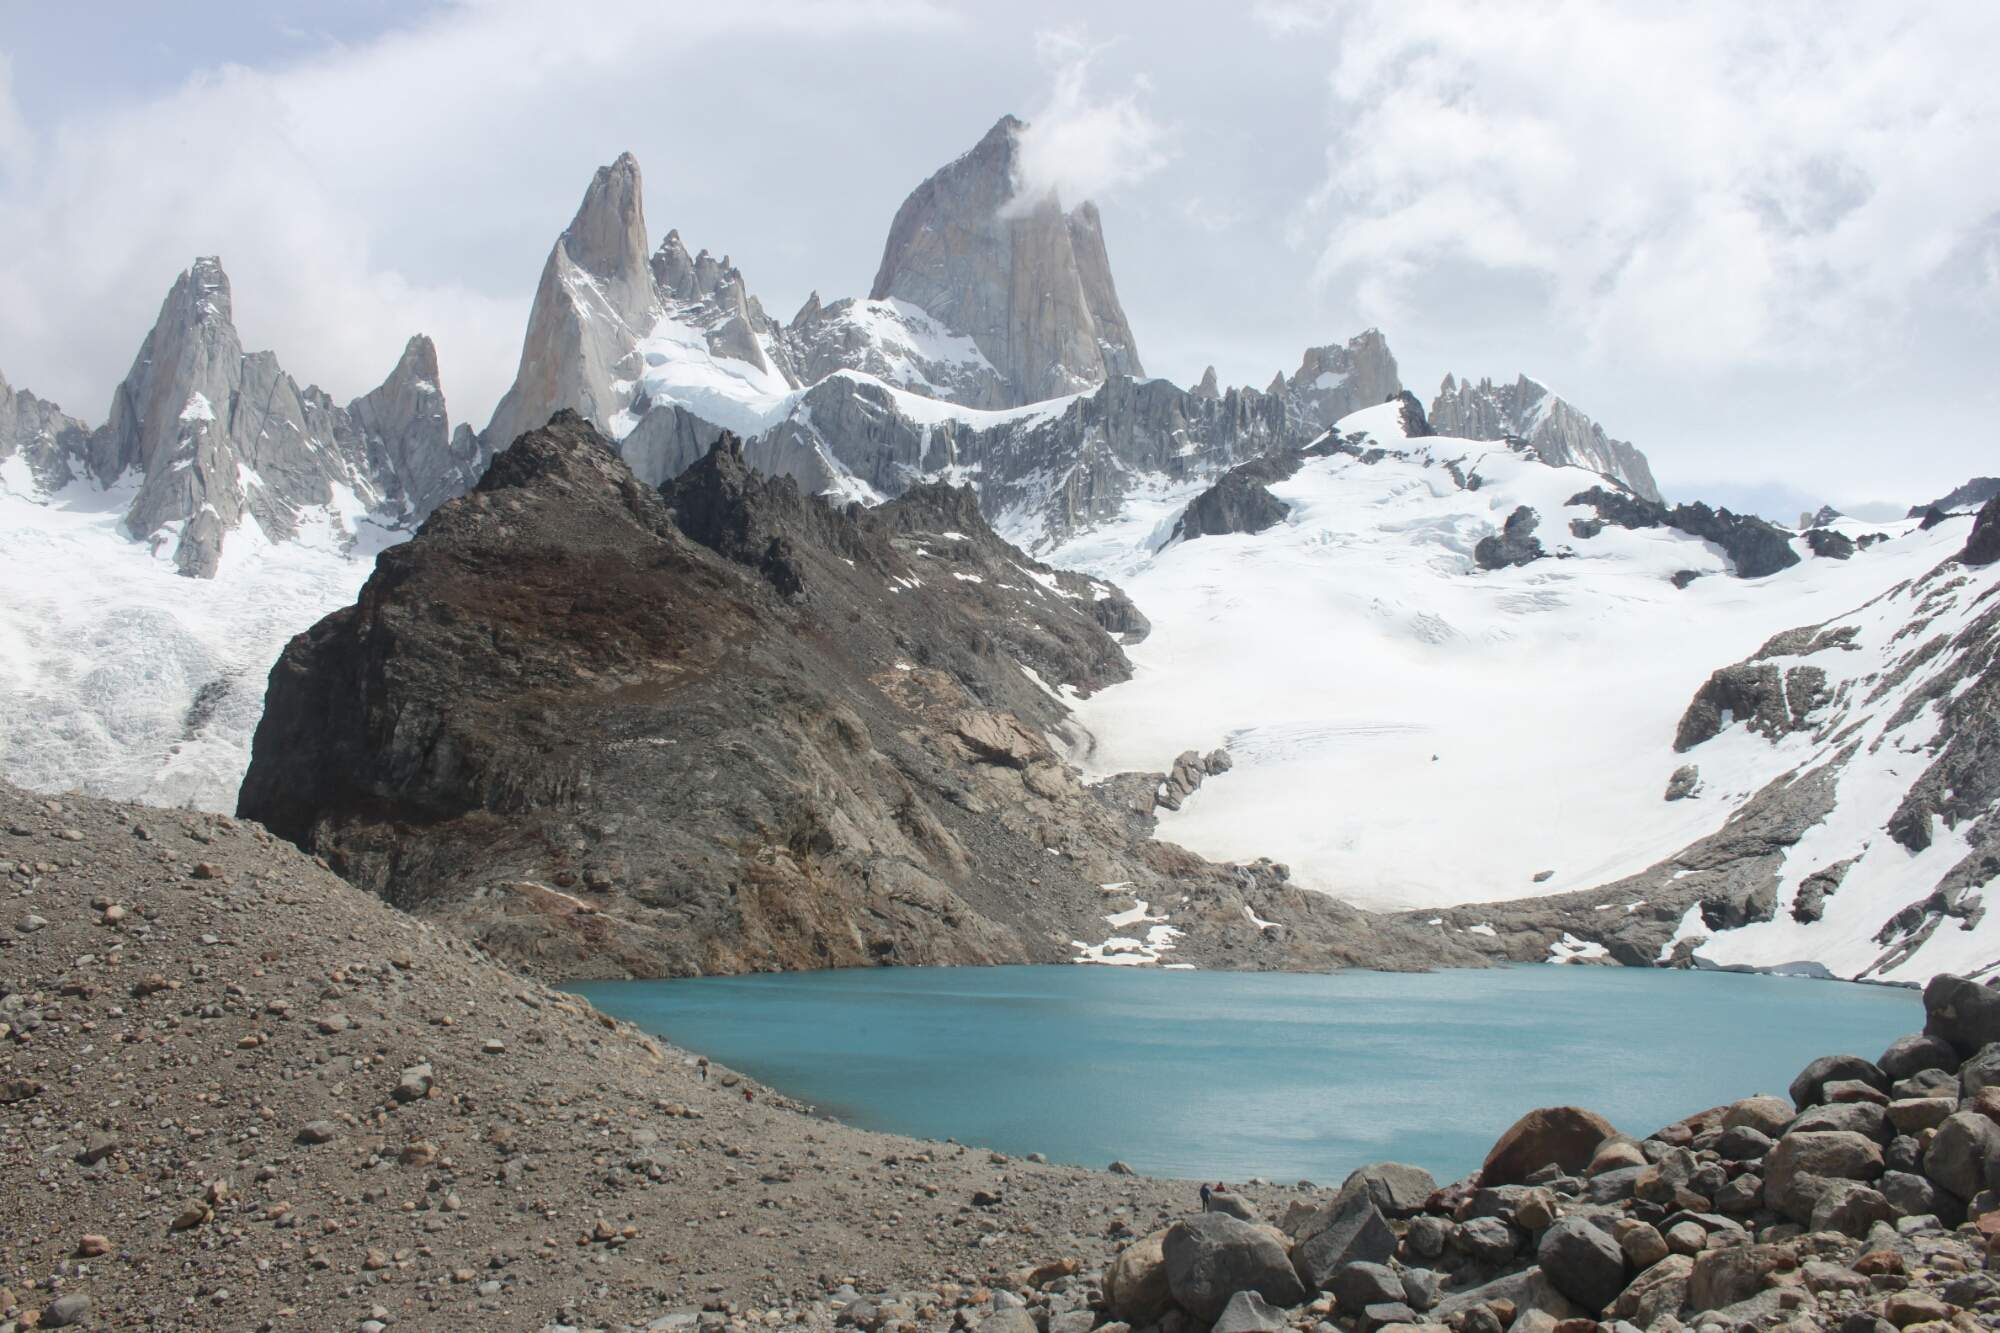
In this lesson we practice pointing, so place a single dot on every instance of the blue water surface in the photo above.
(1227, 1075)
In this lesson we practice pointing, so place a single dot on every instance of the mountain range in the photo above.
(1060, 613)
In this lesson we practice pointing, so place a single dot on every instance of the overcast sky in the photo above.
(1760, 241)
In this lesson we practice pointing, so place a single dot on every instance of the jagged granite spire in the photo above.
(595, 301)
(1559, 434)
(1334, 380)
(215, 435)
(1027, 282)
(407, 440)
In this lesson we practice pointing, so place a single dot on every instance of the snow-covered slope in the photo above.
(121, 677)
(119, 674)
(1895, 703)
(1410, 729)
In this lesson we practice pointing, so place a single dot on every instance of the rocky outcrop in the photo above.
(1239, 501)
(1755, 547)
(214, 436)
(1335, 380)
(48, 442)
(1527, 410)
(1971, 495)
(1027, 282)
(607, 730)
(1515, 543)
(1982, 544)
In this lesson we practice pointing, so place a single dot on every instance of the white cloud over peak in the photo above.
(1079, 143)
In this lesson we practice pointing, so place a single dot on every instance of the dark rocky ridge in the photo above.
(607, 731)
(1755, 547)
(1974, 492)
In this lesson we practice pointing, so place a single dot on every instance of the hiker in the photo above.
(747, 1096)
(703, 1063)
(1205, 1192)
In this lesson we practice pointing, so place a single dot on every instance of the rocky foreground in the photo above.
(236, 1092)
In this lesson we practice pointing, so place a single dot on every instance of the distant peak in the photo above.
(205, 288)
(608, 233)
(419, 358)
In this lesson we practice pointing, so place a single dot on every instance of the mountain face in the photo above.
(610, 730)
(1865, 742)
(210, 436)
(1528, 410)
(1335, 381)
(1027, 282)
(39, 442)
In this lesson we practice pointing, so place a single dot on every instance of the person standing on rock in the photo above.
(1206, 1191)
(702, 1064)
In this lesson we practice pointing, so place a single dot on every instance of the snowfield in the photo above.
(1411, 731)
(124, 679)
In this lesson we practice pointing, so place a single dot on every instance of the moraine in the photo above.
(1230, 1075)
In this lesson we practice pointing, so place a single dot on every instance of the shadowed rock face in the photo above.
(1029, 283)
(607, 730)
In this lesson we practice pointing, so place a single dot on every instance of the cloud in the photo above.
(1079, 145)
(17, 145)
(1701, 187)
(363, 192)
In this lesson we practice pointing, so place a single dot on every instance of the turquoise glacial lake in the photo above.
(1228, 1075)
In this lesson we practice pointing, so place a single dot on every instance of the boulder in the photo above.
(1961, 1012)
(1567, 1136)
(1615, 1155)
(1583, 1261)
(1850, 1208)
(1740, 1143)
(1008, 1319)
(1247, 1312)
(1863, 1118)
(1796, 1170)
(1982, 1070)
(1914, 1115)
(1359, 1285)
(1660, 1290)
(1744, 1194)
(1914, 1054)
(1354, 1232)
(1487, 1240)
(1734, 1273)
(1135, 1283)
(1912, 1195)
(1964, 1157)
(1642, 1243)
(1211, 1257)
(1766, 1115)
(1808, 1089)
(1231, 1205)
(1526, 1291)
(1398, 1190)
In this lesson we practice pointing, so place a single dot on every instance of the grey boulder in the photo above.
(1583, 1261)
(1211, 1257)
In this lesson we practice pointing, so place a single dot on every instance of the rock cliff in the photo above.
(1028, 282)
(728, 726)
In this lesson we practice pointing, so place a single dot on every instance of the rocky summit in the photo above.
(1001, 262)
(606, 730)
